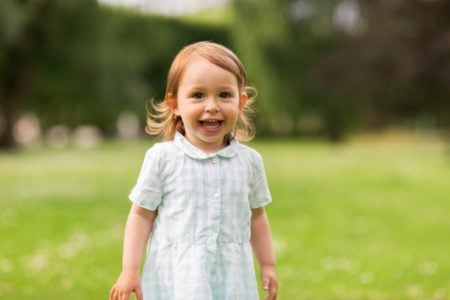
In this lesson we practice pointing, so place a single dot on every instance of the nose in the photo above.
(211, 105)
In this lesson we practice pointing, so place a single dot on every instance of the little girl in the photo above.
(200, 193)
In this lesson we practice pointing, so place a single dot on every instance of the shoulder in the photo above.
(249, 154)
(160, 158)
(161, 147)
(161, 151)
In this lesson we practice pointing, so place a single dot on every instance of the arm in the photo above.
(137, 231)
(261, 241)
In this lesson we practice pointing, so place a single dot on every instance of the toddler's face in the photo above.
(208, 102)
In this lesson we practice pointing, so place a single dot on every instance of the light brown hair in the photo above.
(163, 122)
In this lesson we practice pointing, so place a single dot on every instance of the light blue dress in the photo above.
(199, 248)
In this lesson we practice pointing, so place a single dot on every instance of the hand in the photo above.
(269, 282)
(125, 286)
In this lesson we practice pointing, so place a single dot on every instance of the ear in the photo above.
(243, 101)
(171, 101)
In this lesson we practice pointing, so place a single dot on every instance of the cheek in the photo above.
(234, 110)
(190, 111)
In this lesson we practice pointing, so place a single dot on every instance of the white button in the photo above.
(216, 195)
(213, 161)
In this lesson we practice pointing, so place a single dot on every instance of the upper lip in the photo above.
(210, 120)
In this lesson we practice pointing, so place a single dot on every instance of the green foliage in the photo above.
(389, 66)
(75, 62)
(47, 60)
(355, 221)
(286, 53)
(136, 53)
(64, 85)
(129, 60)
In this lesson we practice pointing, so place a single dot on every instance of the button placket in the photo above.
(216, 199)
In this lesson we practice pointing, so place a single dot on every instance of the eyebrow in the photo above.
(228, 87)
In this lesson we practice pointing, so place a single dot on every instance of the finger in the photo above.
(269, 297)
(111, 294)
(125, 295)
(139, 295)
(273, 289)
(265, 284)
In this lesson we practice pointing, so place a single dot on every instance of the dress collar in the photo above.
(184, 145)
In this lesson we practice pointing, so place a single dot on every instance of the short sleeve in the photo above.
(147, 191)
(259, 189)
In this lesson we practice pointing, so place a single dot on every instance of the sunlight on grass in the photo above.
(356, 221)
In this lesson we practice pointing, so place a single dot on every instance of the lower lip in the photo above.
(211, 129)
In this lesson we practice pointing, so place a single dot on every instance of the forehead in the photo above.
(202, 71)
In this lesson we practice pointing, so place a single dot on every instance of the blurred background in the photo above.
(353, 122)
(323, 68)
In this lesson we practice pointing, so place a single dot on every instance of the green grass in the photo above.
(356, 221)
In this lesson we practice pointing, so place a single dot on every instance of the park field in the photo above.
(360, 220)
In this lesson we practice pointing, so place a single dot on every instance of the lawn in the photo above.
(362, 220)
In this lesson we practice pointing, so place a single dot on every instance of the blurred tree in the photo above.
(19, 37)
(348, 63)
(39, 42)
(406, 52)
(135, 54)
(283, 42)
(73, 62)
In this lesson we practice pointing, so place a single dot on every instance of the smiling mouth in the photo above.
(210, 124)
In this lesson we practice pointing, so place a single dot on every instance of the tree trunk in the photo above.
(17, 73)
(14, 89)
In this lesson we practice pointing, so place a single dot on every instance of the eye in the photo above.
(225, 95)
(197, 95)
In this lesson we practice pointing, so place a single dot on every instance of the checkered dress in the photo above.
(199, 247)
